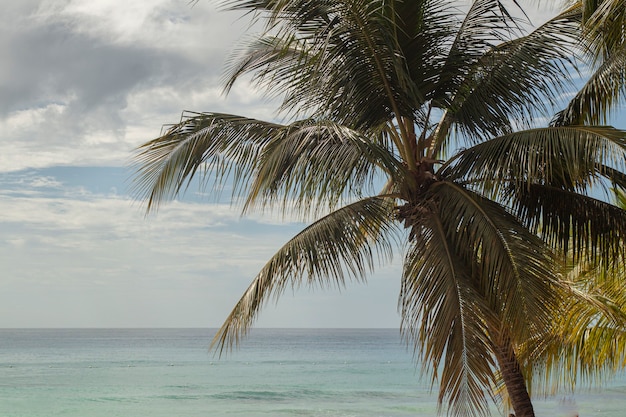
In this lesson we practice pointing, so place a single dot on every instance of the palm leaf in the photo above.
(424, 30)
(222, 144)
(514, 80)
(596, 101)
(604, 26)
(344, 66)
(474, 274)
(572, 157)
(514, 270)
(262, 159)
(342, 245)
(316, 163)
(444, 316)
(584, 227)
(540, 172)
(486, 24)
(590, 338)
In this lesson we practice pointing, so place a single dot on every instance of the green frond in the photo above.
(573, 158)
(313, 165)
(485, 25)
(341, 246)
(266, 55)
(589, 341)
(221, 144)
(423, 36)
(515, 79)
(540, 174)
(306, 165)
(579, 226)
(444, 318)
(514, 270)
(473, 274)
(598, 99)
(334, 58)
(604, 26)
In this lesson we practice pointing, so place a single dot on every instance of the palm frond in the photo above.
(604, 26)
(342, 245)
(222, 144)
(423, 36)
(444, 318)
(597, 100)
(572, 157)
(485, 25)
(265, 55)
(581, 226)
(540, 174)
(334, 58)
(266, 162)
(515, 79)
(316, 163)
(514, 270)
(589, 341)
(474, 273)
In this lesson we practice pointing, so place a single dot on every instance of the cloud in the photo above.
(85, 82)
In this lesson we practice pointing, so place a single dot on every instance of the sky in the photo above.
(82, 84)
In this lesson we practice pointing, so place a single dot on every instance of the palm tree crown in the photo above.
(382, 92)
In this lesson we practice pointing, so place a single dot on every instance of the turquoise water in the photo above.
(286, 372)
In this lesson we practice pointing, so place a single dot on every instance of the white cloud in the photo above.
(87, 81)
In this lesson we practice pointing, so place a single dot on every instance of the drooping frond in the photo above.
(604, 27)
(341, 246)
(583, 227)
(444, 318)
(589, 341)
(514, 270)
(474, 274)
(540, 174)
(222, 144)
(316, 163)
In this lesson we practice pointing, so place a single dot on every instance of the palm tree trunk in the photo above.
(514, 379)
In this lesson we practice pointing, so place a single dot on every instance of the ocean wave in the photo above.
(271, 395)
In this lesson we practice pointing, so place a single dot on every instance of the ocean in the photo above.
(275, 372)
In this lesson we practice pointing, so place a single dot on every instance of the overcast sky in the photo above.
(82, 83)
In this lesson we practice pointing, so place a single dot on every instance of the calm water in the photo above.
(169, 372)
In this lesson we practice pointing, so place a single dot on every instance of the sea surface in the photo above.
(275, 372)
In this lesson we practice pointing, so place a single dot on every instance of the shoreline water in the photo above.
(289, 372)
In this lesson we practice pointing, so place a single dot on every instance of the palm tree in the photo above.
(379, 95)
